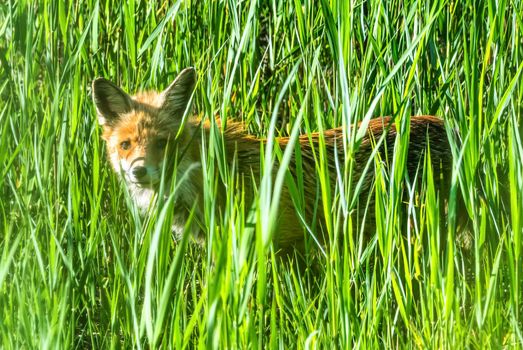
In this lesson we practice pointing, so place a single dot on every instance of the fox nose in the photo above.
(139, 171)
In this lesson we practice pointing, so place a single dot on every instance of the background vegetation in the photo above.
(79, 268)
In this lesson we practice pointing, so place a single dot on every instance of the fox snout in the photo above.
(139, 172)
(142, 177)
(142, 174)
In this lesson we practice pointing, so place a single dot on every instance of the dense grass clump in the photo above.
(80, 268)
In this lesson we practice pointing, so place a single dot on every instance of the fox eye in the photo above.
(125, 145)
(161, 143)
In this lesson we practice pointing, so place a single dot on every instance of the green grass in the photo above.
(79, 268)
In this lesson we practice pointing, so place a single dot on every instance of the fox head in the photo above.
(142, 132)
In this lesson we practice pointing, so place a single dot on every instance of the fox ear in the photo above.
(177, 95)
(110, 101)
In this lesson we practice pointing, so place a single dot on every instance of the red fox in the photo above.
(144, 133)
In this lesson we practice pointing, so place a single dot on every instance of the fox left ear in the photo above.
(177, 95)
(111, 101)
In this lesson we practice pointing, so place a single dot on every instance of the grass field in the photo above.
(79, 268)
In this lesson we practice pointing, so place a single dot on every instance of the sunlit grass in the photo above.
(80, 268)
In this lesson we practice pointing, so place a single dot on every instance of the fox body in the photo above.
(145, 133)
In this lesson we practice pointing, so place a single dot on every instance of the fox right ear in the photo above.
(110, 101)
(177, 96)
